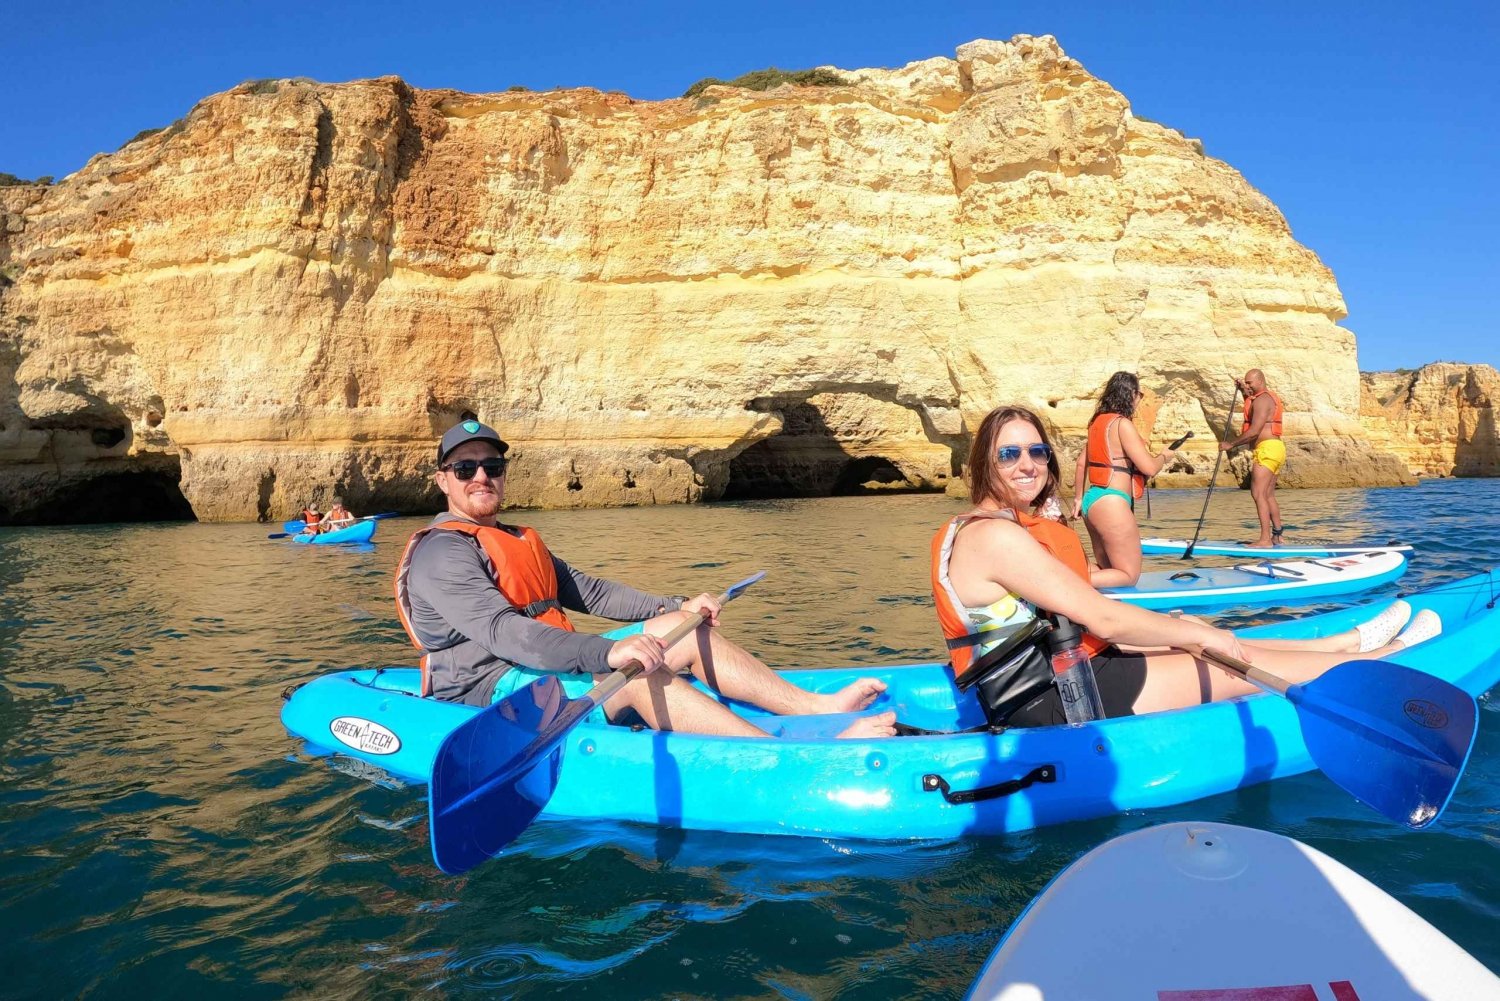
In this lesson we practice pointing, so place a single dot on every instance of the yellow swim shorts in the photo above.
(1271, 453)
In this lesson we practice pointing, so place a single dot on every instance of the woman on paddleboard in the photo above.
(1112, 472)
(1005, 563)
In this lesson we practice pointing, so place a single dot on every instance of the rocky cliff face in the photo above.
(1440, 419)
(296, 288)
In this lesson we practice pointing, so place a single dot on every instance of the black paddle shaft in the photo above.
(1228, 426)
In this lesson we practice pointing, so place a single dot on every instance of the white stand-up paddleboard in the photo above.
(1204, 547)
(1214, 912)
(1278, 582)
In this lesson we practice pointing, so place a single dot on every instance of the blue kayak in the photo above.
(1281, 582)
(360, 531)
(808, 783)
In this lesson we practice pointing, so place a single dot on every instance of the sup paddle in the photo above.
(1228, 426)
(368, 517)
(494, 773)
(1174, 446)
(1392, 737)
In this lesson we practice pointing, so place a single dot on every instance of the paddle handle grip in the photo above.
(617, 680)
(1178, 443)
(1249, 672)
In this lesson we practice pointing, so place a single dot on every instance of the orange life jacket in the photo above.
(524, 576)
(1055, 537)
(1102, 462)
(311, 518)
(1274, 423)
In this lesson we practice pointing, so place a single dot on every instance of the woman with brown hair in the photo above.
(1003, 564)
(1112, 472)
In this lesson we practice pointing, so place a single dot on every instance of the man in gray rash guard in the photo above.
(479, 646)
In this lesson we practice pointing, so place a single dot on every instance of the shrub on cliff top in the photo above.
(771, 77)
(11, 180)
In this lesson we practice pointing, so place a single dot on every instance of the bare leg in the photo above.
(1273, 507)
(1175, 679)
(1262, 481)
(1117, 543)
(732, 671)
(669, 702)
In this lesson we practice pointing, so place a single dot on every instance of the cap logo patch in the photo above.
(471, 426)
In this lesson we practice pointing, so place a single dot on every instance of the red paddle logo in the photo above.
(1424, 713)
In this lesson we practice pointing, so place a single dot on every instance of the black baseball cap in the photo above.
(468, 431)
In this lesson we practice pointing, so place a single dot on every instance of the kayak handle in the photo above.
(936, 783)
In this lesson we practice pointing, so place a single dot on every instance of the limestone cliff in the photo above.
(295, 288)
(1440, 419)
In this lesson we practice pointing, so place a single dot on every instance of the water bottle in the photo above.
(1074, 674)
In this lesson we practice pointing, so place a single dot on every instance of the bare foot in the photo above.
(1260, 544)
(853, 697)
(881, 725)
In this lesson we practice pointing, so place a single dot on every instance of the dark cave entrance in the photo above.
(807, 459)
(134, 496)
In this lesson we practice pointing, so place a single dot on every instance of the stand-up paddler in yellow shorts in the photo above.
(1262, 426)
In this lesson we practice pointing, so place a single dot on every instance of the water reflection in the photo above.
(161, 836)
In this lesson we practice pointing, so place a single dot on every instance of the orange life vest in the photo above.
(524, 576)
(1055, 537)
(1274, 423)
(311, 518)
(1102, 462)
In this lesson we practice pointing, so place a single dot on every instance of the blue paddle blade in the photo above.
(735, 590)
(494, 773)
(1397, 739)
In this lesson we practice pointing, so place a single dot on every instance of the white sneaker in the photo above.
(1382, 628)
(1423, 627)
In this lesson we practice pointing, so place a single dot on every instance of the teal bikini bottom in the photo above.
(1092, 494)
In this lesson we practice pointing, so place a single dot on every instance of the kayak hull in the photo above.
(807, 783)
(1208, 910)
(1280, 582)
(1177, 547)
(360, 531)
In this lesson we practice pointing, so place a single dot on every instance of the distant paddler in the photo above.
(1262, 426)
(1112, 472)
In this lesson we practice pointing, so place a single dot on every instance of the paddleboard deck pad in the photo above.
(1267, 582)
(1177, 547)
(1215, 912)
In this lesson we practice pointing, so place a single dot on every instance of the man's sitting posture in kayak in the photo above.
(485, 603)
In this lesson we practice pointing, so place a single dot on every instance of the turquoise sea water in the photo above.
(162, 836)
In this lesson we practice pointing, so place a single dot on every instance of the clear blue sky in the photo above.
(1373, 125)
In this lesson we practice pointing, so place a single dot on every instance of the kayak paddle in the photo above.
(494, 773)
(1228, 426)
(1392, 737)
(368, 517)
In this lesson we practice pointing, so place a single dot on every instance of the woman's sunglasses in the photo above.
(465, 469)
(1009, 455)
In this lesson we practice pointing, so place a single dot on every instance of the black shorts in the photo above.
(1121, 677)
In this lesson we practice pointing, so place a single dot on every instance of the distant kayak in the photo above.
(1176, 547)
(1264, 583)
(1206, 910)
(360, 531)
(958, 780)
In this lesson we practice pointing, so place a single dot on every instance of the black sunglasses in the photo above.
(465, 469)
(1009, 455)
